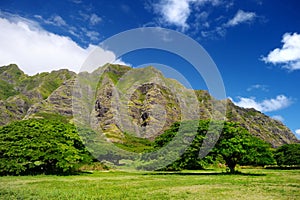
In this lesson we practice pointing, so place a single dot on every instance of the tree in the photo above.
(237, 146)
(40, 146)
(288, 154)
(189, 158)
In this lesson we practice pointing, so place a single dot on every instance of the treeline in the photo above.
(41, 146)
(235, 145)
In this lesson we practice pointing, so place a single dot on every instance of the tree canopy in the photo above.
(40, 146)
(235, 146)
(288, 154)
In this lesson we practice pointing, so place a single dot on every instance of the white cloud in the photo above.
(247, 103)
(222, 23)
(34, 49)
(241, 17)
(57, 20)
(278, 117)
(288, 55)
(93, 35)
(267, 105)
(99, 57)
(297, 132)
(199, 16)
(214, 33)
(177, 12)
(263, 88)
(95, 19)
(79, 32)
(174, 12)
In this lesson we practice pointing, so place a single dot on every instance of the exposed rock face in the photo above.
(118, 99)
(260, 125)
(19, 91)
(59, 101)
(154, 109)
(139, 101)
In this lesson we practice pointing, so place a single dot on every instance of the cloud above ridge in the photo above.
(297, 133)
(25, 43)
(267, 105)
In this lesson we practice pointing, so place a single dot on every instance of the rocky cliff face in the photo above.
(260, 125)
(146, 109)
(257, 123)
(58, 102)
(19, 92)
(117, 99)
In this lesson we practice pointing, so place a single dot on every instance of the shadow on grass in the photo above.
(283, 167)
(83, 173)
(203, 174)
(77, 173)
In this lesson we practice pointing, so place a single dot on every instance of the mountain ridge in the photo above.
(152, 105)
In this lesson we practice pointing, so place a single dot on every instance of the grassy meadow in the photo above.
(209, 184)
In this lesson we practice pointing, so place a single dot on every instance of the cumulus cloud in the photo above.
(174, 12)
(288, 56)
(278, 117)
(34, 49)
(241, 17)
(198, 17)
(267, 105)
(297, 133)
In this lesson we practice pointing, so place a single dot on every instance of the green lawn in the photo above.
(253, 184)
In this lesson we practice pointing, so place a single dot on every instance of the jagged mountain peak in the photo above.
(10, 67)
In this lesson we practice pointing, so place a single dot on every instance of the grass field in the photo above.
(252, 184)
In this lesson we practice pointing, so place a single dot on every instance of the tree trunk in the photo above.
(231, 168)
(231, 165)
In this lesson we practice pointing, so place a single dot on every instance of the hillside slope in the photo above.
(18, 91)
(117, 99)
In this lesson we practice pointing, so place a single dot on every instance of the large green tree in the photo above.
(190, 158)
(237, 146)
(288, 154)
(40, 146)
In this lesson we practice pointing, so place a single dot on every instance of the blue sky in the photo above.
(254, 43)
